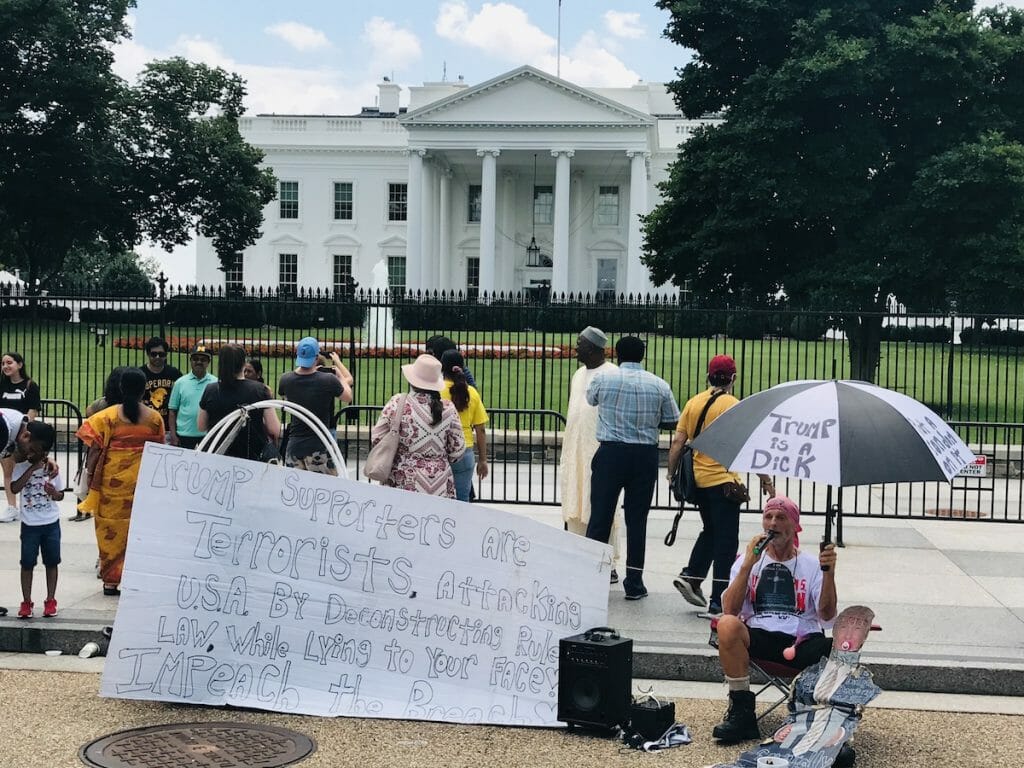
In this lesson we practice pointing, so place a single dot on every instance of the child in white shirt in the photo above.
(40, 517)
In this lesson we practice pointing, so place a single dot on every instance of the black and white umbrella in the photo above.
(841, 433)
(836, 432)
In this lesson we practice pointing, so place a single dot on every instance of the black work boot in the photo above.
(740, 721)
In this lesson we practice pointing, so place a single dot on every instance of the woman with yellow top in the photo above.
(473, 416)
(116, 437)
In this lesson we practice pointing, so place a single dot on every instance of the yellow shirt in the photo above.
(706, 471)
(473, 416)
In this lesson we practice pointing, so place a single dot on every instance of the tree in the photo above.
(869, 148)
(96, 269)
(87, 158)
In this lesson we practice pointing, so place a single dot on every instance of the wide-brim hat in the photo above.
(424, 373)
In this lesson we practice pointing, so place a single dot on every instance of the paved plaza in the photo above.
(949, 596)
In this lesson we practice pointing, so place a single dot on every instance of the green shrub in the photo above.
(992, 337)
(931, 334)
(808, 327)
(747, 325)
(40, 311)
(698, 323)
(108, 315)
(261, 311)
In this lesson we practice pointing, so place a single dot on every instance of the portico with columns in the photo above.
(452, 192)
(472, 160)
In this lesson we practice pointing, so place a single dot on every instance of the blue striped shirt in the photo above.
(631, 403)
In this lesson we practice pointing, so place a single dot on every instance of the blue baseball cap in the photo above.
(306, 352)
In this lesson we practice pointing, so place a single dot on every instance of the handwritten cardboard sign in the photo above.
(263, 587)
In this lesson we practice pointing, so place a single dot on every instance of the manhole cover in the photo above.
(199, 745)
(956, 514)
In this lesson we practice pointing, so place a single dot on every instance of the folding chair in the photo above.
(776, 675)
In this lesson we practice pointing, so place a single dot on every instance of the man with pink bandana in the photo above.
(777, 597)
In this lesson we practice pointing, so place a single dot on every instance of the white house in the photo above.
(452, 192)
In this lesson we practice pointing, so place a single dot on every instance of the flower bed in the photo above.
(282, 348)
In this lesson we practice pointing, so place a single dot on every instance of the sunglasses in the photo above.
(158, 354)
(200, 359)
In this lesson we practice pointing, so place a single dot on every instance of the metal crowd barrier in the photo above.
(68, 451)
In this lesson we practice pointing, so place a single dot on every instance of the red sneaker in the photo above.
(25, 612)
(49, 608)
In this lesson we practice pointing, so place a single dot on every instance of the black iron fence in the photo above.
(68, 451)
(521, 352)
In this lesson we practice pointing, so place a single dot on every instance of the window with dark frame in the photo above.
(234, 275)
(473, 207)
(396, 273)
(343, 285)
(607, 280)
(288, 273)
(343, 201)
(543, 205)
(608, 206)
(473, 277)
(398, 202)
(288, 199)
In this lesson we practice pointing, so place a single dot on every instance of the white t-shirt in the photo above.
(13, 419)
(783, 596)
(36, 507)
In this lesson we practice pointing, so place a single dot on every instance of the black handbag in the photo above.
(684, 484)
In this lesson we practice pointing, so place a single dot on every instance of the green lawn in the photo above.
(988, 385)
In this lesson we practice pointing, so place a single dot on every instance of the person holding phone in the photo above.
(317, 391)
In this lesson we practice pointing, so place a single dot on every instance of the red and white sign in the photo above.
(977, 468)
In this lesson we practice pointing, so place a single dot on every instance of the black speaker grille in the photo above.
(594, 679)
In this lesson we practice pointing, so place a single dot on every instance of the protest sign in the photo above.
(259, 586)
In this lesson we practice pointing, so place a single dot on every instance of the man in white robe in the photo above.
(579, 440)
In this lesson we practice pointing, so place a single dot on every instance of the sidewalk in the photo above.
(949, 596)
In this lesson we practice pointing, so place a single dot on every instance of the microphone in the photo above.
(768, 536)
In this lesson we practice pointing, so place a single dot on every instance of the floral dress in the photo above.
(423, 462)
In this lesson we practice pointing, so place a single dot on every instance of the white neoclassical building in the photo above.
(526, 180)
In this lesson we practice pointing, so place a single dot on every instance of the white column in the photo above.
(488, 217)
(638, 280)
(429, 227)
(505, 280)
(414, 222)
(444, 239)
(560, 249)
(577, 268)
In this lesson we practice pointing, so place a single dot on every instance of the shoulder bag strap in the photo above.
(396, 423)
(704, 414)
(670, 537)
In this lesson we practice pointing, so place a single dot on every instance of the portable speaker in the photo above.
(595, 672)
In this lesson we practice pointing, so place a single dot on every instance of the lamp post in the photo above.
(533, 253)
(533, 250)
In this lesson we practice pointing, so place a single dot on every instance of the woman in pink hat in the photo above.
(430, 436)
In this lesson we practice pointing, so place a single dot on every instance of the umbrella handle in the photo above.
(830, 509)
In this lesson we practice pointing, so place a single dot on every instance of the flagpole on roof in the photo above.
(558, 47)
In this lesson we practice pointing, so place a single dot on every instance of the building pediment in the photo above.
(287, 240)
(526, 97)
